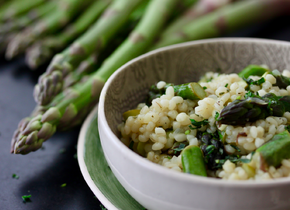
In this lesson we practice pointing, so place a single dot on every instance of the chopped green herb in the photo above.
(253, 82)
(63, 185)
(15, 176)
(187, 132)
(26, 198)
(204, 88)
(198, 124)
(168, 157)
(249, 94)
(238, 98)
(209, 149)
(103, 207)
(179, 148)
(235, 147)
(227, 85)
(216, 116)
(131, 145)
(287, 127)
(222, 93)
(61, 151)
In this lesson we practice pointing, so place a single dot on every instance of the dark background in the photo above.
(42, 173)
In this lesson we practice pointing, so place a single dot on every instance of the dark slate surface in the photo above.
(42, 173)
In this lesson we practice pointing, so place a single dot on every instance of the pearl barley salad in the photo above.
(227, 126)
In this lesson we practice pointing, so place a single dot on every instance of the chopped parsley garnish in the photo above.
(26, 198)
(179, 148)
(131, 145)
(239, 97)
(61, 151)
(187, 132)
(63, 185)
(227, 85)
(250, 94)
(287, 127)
(15, 176)
(204, 88)
(235, 147)
(103, 207)
(209, 149)
(253, 82)
(216, 116)
(198, 124)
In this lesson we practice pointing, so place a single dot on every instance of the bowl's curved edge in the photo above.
(160, 169)
(82, 164)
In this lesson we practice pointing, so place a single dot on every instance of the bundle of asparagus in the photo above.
(66, 92)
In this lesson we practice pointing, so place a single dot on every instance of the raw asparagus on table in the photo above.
(23, 21)
(239, 112)
(93, 41)
(202, 7)
(43, 50)
(14, 8)
(49, 24)
(226, 19)
(82, 96)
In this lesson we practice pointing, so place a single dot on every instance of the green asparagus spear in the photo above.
(202, 7)
(192, 161)
(281, 81)
(253, 70)
(239, 112)
(43, 50)
(80, 96)
(23, 21)
(51, 23)
(191, 91)
(93, 41)
(228, 18)
(273, 152)
(15, 8)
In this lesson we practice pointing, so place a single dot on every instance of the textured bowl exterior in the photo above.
(154, 186)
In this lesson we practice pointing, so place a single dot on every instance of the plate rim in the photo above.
(81, 161)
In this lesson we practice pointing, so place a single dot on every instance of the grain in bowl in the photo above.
(227, 126)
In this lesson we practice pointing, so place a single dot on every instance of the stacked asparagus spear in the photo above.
(71, 85)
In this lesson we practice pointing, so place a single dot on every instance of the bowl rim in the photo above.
(148, 165)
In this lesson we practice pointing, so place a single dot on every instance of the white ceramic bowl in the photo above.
(154, 186)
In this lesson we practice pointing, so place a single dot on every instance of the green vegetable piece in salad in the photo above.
(192, 161)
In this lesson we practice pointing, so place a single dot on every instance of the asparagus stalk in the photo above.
(49, 24)
(202, 7)
(191, 91)
(15, 8)
(281, 81)
(94, 40)
(93, 62)
(253, 70)
(192, 161)
(239, 112)
(80, 96)
(272, 152)
(25, 20)
(226, 19)
(43, 50)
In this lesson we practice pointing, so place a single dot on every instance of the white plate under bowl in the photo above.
(96, 171)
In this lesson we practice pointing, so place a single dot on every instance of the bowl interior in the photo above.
(185, 63)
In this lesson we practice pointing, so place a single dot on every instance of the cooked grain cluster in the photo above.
(149, 128)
